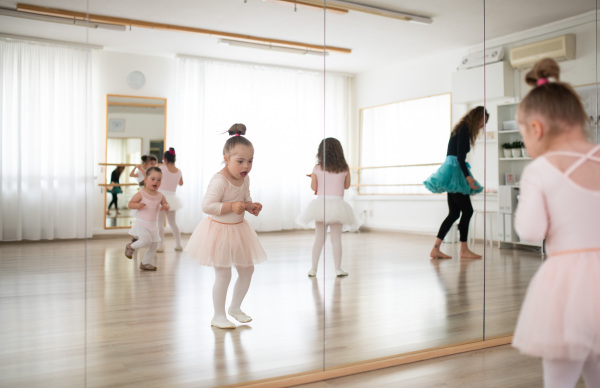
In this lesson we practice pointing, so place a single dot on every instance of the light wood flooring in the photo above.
(78, 313)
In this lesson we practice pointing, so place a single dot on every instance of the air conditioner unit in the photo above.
(560, 48)
(481, 58)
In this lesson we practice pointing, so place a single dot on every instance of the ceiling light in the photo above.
(272, 47)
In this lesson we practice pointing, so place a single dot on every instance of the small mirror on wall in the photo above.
(135, 126)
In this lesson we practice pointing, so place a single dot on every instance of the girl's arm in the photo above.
(133, 173)
(531, 217)
(164, 205)
(136, 201)
(347, 180)
(313, 182)
(211, 204)
(181, 180)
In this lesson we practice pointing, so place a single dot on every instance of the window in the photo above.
(402, 143)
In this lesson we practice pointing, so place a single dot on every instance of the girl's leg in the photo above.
(561, 373)
(464, 203)
(317, 247)
(113, 200)
(239, 293)
(591, 371)
(222, 280)
(161, 230)
(147, 263)
(453, 214)
(171, 218)
(335, 233)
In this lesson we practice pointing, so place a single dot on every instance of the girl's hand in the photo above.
(238, 207)
(165, 208)
(141, 205)
(253, 208)
(471, 182)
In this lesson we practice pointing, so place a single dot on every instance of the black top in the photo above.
(114, 177)
(459, 145)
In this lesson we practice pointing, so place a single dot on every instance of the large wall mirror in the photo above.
(135, 126)
(264, 64)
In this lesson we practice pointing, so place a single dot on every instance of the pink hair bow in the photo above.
(542, 81)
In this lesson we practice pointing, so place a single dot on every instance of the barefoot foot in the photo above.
(437, 254)
(467, 254)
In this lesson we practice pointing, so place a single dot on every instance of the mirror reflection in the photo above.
(136, 128)
(395, 299)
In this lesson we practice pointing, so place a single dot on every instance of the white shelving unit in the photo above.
(508, 193)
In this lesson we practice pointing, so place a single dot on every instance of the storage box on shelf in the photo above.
(510, 169)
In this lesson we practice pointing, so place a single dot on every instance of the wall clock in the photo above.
(136, 79)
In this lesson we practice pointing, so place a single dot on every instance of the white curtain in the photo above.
(46, 161)
(283, 110)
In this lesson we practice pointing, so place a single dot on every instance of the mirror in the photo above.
(135, 126)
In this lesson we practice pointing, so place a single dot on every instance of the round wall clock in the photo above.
(136, 79)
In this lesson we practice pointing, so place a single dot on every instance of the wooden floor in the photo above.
(79, 313)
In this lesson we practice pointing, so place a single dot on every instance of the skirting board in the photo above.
(374, 364)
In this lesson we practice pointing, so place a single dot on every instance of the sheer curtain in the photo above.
(283, 110)
(47, 172)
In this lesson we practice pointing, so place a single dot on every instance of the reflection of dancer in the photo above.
(225, 239)
(148, 202)
(147, 162)
(171, 179)
(560, 201)
(329, 179)
(454, 177)
(115, 190)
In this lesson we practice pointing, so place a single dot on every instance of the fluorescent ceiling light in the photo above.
(272, 47)
(60, 20)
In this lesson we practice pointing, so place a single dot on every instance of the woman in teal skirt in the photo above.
(454, 177)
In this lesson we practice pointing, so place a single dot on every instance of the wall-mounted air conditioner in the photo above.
(560, 48)
(481, 58)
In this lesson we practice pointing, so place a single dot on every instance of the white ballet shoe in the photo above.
(312, 273)
(222, 323)
(179, 249)
(240, 316)
(340, 273)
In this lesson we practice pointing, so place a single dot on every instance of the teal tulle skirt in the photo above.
(449, 178)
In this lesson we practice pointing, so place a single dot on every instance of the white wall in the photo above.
(429, 76)
(110, 71)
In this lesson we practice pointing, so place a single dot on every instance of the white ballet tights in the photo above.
(222, 280)
(171, 215)
(565, 373)
(150, 253)
(335, 235)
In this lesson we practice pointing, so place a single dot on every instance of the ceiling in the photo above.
(374, 40)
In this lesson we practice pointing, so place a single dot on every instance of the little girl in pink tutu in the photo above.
(224, 239)
(560, 202)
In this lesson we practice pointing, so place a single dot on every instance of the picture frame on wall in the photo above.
(116, 125)
(509, 179)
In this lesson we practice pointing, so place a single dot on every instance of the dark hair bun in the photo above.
(544, 68)
(237, 129)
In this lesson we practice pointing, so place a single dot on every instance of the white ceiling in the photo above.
(375, 41)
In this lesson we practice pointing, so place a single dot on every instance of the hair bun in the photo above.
(237, 129)
(543, 70)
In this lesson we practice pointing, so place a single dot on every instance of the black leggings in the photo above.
(114, 200)
(457, 203)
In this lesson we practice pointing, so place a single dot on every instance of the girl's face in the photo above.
(239, 161)
(152, 181)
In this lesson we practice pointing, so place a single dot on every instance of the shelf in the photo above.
(521, 158)
(508, 131)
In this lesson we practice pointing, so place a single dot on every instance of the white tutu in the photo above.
(329, 209)
(145, 230)
(173, 200)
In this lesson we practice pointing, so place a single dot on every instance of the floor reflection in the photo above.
(108, 322)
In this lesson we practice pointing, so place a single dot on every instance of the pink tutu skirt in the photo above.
(145, 230)
(329, 209)
(560, 316)
(216, 244)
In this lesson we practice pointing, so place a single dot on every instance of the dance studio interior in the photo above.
(90, 85)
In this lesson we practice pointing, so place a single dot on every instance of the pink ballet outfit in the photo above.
(560, 316)
(225, 240)
(168, 186)
(329, 207)
(145, 226)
